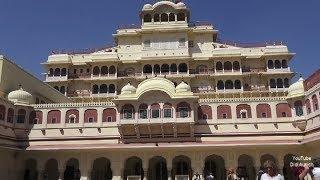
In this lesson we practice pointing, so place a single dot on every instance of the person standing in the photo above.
(271, 172)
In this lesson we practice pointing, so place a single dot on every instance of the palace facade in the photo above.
(167, 101)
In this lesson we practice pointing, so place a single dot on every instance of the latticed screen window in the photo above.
(167, 113)
(155, 113)
(184, 112)
(127, 114)
(224, 116)
(284, 114)
(299, 110)
(109, 119)
(143, 114)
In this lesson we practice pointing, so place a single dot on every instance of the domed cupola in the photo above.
(183, 87)
(20, 97)
(147, 7)
(296, 90)
(128, 89)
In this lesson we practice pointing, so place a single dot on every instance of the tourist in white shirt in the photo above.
(271, 172)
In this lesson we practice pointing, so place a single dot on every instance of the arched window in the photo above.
(90, 116)
(95, 89)
(112, 70)
(156, 18)
(147, 18)
(50, 72)
(167, 110)
(273, 83)
(229, 84)
(263, 111)
(72, 116)
(156, 69)
(279, 83)
(224, 112)
(21, 116)
(237, 84)
(57, 72)
(56, 88)
(315, 102)
(286, 83)
(96, 71)
(147, 69)
(2, 112)
(236, 66)
(143, 111)
(62, 90)
(155, 110)
(165, 68)
(172, 17)
(54, 117)
(127, 111)
(283, 110)
(298, 108)
(270, 64)
(227, 66)
(183, 110)
(109, 115)
(10, 115)
(35, 117)
(130, 71)
(284, 64)
(181, 17)
(173, 68)
(308, 106)
(164, 17)
(220, 85)
(104, 70)
(277, 64)
(243, 111)
(112, 88)
(219, 66)
(202, 69)
(183, 68)
(63, 72)
(204, 112)
(103, 88)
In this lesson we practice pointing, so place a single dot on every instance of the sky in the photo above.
(31, 29)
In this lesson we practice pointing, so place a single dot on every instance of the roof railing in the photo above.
(250, 45)
(82, 51)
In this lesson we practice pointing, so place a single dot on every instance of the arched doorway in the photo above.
(246, 168)
(30, 172)
(181, 167)
(158, 168)
(51, 171)
(72, 171)
(214, 164)
(133, 168)
(101, 169)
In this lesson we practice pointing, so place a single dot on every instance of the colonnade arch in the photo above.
(214, 165)
(181, 166)
(101, 169)
(246, 168)
(158, 168)
(72, 171)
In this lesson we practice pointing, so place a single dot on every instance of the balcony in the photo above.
(204, 72)
(280, 70)
(206, 89)
(56, 78)
(151, 129)
(103, 76)
(79, 76)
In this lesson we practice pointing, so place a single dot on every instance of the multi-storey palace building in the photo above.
(167, 101)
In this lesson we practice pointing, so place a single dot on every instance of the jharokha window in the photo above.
(155, 111)
(128, 111)
(143, 111)
(167, 110)
(183, 110)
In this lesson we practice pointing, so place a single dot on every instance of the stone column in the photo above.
(100, 120)
(63, 117)
(81, 117)
(145, 165)
(61, 173)
(116, 170)
(273, 107)
(254, 111)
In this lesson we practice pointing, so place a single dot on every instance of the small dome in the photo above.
(20, 96)
(128, 89)
(147, 6)
(296, 89)
(181, 5)
(183, 87)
